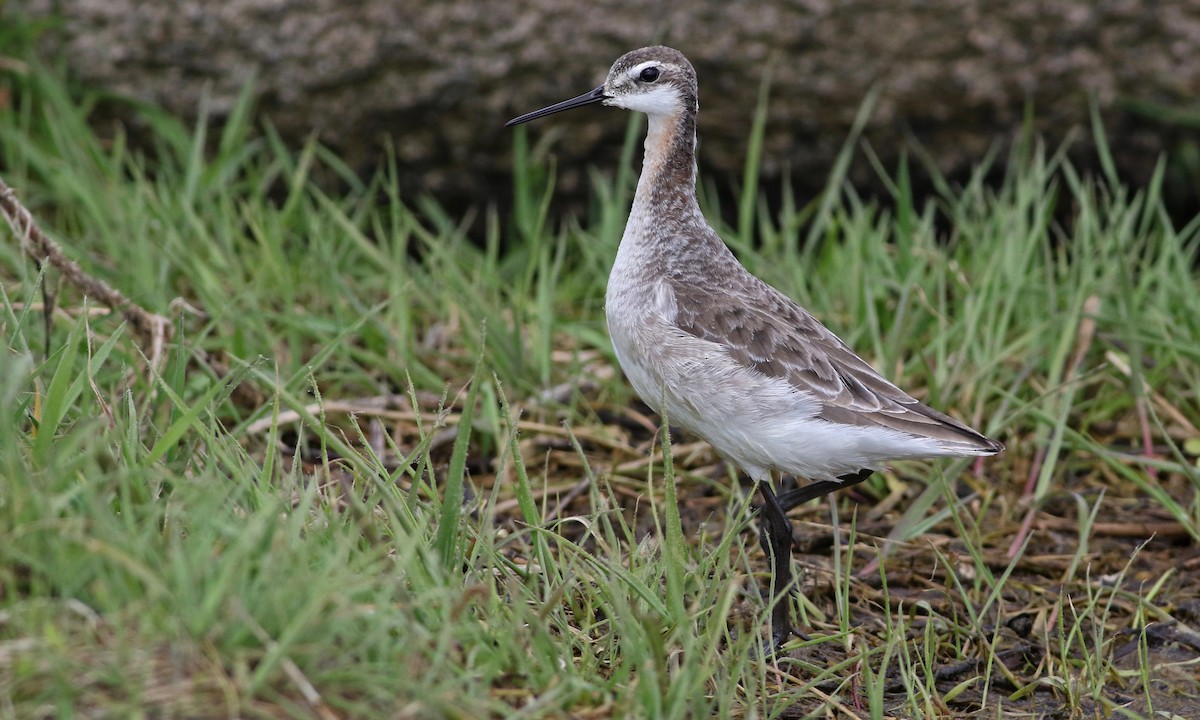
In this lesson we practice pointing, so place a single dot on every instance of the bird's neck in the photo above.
(667, 234)
(667, 186)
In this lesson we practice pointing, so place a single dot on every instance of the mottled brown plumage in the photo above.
(776, 337)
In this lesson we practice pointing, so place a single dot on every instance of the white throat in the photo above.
(660, 100)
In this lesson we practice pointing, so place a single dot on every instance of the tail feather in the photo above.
(919, 420)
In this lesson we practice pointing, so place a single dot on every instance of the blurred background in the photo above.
(957, 79)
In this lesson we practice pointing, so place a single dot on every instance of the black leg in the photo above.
(775, 536)
(799, 496)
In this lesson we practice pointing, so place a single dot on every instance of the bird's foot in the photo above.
(772, 645)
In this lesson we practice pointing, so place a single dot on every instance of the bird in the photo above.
(727, 357)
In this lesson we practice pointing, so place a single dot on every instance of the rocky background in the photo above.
(437, 80)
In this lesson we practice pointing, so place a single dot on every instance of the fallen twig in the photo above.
(153, 329)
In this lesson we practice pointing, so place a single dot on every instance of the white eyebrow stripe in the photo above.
(637, 69)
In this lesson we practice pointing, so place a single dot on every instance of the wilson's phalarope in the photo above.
(729, 358)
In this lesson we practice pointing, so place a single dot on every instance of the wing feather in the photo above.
(764, 330)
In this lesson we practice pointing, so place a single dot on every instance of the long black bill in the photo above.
(587, 98)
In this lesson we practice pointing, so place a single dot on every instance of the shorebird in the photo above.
(723, 355)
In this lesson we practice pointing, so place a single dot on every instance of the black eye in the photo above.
(650, 74)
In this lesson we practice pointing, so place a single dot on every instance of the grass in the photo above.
(388, 467)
